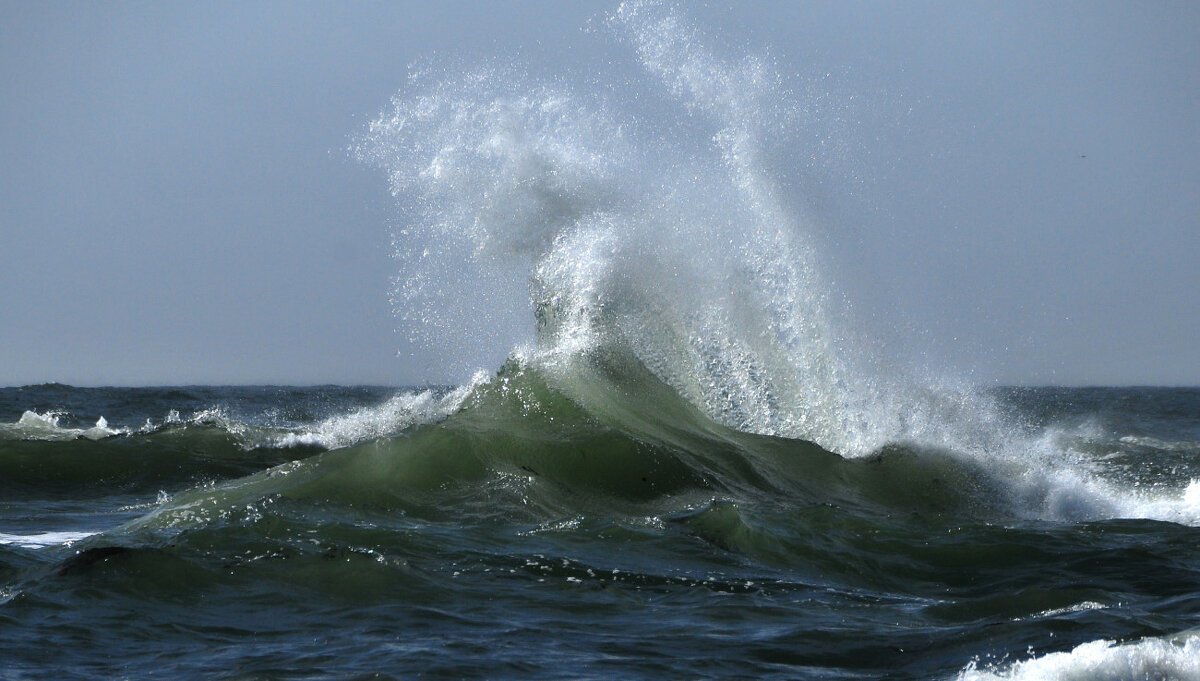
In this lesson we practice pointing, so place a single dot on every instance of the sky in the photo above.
(1014, 194)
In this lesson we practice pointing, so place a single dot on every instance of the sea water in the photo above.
(694, 464)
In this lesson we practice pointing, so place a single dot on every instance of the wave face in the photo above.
(692, 463)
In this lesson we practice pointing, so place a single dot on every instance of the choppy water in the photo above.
(694, 463)
(506, 531)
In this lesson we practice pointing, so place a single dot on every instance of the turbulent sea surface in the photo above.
(695, 464)
(511, 530)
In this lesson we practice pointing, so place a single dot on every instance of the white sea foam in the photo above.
(1174, 658)
(47, 426)
(390, 418)
(43, 540)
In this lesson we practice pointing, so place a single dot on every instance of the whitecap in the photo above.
(43, 540)
(1167, 659)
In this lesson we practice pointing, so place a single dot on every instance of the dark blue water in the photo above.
(516, 534)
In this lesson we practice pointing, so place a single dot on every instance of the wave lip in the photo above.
(402, 411)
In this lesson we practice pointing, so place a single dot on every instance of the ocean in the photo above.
(696, 461)
(510, 530)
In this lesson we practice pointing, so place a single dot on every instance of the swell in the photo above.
(522, 449)
(168, 458)
(239, 432)
(525, 470)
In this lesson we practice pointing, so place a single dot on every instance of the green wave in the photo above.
(602, 439)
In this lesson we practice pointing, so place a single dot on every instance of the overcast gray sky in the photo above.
(1017, 194)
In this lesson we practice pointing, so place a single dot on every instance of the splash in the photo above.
(678, 248)
(669, 234)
